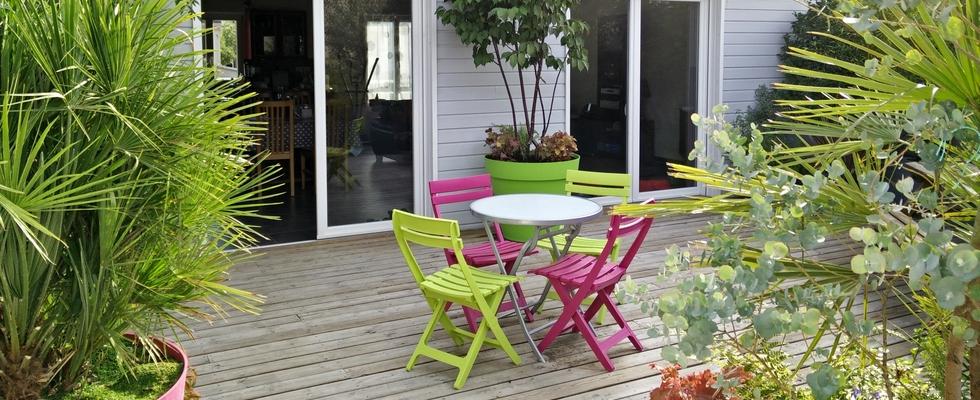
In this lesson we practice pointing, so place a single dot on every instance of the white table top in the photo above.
(536, 209)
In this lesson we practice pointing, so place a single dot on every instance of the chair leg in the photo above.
(472, 318)
(292, 177)
(447, 324)
(592, 340)
(521, 300)
(505, 345)
(604, 297)
(258, 169)
(601, 313)
(466, 364)
(437, 313)
(302, 171)
(562, 323)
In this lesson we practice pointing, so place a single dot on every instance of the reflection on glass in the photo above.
(269, 44)
(224, 46)
(369, 110)
(668, 90)
(599, 93)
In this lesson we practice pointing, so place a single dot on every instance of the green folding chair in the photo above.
(459, 284)
(601, 184)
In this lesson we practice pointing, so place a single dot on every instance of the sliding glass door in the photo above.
(369, 109)
(631, 110)
(669, 71)
(599, 94)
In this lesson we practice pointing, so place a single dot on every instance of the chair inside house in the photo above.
(279, 141)
(447, 192)
(342, 133)
(576, 277)
(457, 283)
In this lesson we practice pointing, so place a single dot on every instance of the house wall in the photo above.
(754, 32)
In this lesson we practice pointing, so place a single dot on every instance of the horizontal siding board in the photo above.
(753, 38)
(746, 84)
(468, 148)
(753, 73)
(766, 61)
(754, 31)
(752, 49)
(758, 5)
(472, 162)
(466, 93)
(739, 95)
(459, 79)
(463, 107)
(777, 27)
(738, 15)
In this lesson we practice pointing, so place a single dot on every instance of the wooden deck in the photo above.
(342, 317)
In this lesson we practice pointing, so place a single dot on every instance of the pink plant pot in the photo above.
(176, 353)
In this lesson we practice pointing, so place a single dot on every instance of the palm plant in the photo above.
(123, 181)
(899, 174)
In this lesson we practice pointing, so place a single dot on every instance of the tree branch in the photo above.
(510, 96)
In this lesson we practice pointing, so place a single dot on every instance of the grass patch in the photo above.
(110, 381)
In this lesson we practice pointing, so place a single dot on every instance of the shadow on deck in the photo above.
(342, 317)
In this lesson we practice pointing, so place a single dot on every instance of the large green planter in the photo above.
(511, 177)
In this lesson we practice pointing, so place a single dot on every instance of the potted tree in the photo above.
(516, 36)
(124, 177)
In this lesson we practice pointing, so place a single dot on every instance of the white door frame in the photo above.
(710, 42)
(423, 24)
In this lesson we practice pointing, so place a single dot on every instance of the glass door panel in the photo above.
(599, 93)
(369, 110)
(668, 87)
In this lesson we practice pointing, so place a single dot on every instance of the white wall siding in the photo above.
(754, 32)
(186, 28)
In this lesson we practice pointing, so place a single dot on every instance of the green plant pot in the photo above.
(511, 177)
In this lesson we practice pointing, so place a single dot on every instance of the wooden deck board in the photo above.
(342, 317)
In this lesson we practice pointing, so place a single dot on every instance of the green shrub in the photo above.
(801, 35)
(895, 177)
(110, 380)
(772, 378)
(124, 177)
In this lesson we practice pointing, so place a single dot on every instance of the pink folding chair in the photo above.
(464, 190)
(575, 277)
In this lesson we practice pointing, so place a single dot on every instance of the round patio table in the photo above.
(544, 212)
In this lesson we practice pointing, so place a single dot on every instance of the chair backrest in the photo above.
(280, 126)
(461, 190)
(340, 124)
(598, 184)
(431, 233)
(621, 227)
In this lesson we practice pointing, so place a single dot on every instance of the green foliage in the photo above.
(896, 171)
(111, 381)
(818, 18)
(514, 35)
(123, 180)
(229, 43)
(847, 379)
(148, 381)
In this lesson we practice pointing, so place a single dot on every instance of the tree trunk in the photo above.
(975, 350)
(952, 385)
